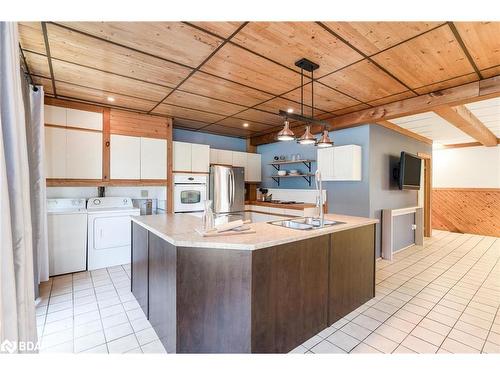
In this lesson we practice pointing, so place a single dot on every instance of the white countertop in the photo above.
(179, 230)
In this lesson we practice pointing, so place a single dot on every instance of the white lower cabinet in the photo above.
(125, 157)
(83, 154)
(153, 158)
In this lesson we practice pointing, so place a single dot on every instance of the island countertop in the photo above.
(179, 230)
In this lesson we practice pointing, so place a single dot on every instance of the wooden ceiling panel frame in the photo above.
(187, 113)
(374, 37)
(47, 53)
(173, 41)
(235, 63)
(197, 102)
(96, 79)
(75, 47)
(482, 41)
(219, 29)
(31, 36)
(208, 85)
(376, 83)
(237, 123)
(432, 57)
(468, 123)
(287, 42)
(70, 90)
(37, 64)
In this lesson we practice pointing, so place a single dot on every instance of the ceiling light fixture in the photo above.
(286, 134)
(245, 124)
(111, 99)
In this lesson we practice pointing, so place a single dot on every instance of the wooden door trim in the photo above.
(427, 193)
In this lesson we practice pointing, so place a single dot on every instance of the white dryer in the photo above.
(109, 231)
(67, 235)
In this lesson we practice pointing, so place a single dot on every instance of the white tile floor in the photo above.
(442, 297)
(93, 312)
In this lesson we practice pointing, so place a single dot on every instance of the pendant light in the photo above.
(325, 140)
(286, 134)
(307, 138)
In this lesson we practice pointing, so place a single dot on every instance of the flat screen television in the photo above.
(409, 171)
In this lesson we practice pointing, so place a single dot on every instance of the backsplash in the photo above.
(158, 192)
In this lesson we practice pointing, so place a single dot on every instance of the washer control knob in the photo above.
(97, 202)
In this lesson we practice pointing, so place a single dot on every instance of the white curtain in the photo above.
(17, 307)
(36, 152)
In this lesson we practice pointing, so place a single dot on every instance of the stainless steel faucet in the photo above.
(319, 198)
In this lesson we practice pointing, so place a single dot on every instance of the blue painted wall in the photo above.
(215, 141)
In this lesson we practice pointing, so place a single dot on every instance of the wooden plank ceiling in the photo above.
(217, 76)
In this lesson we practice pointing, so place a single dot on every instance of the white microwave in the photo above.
(190, 192)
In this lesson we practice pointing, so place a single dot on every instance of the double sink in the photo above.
(305, 223)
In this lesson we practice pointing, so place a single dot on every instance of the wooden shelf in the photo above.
(292, 162)
(306, 176)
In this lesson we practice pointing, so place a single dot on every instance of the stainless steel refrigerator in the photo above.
(227, 189)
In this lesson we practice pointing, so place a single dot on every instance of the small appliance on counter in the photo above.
(147, 206)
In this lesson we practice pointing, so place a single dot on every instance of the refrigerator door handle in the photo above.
(231, 184)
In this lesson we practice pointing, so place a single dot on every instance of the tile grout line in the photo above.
(406, 302)
(425, 316)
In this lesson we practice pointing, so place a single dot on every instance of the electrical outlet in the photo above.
(414, 227)
(144, 193)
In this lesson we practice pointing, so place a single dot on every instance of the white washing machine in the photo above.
(109, 231)
(67, 235)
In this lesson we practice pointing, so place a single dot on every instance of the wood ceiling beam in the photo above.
(465, 120)
(389, 125)
(455, 96)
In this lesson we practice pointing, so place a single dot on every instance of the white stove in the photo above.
(109, 231)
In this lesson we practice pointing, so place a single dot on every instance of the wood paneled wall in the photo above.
(123, 123)
(467, 210)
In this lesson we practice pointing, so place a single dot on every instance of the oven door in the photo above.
(189, 197)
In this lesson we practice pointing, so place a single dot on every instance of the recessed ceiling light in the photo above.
(290, 110)
(245, 125)
(111, 99)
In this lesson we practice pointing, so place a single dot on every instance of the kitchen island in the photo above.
(264, 292)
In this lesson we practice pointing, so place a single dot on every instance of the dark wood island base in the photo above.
(269, 300)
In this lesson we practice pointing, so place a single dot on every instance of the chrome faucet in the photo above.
(319, 198)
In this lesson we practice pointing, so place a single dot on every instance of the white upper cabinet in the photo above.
(191, 157)
(54, 115)
(74, 118)
(125, 157)
(347, 163)
(225, 157)
(83, 119)
(340, 163)
(55, 152)
(214, 156)
(182, 156)
(153, 158)
(200, 158)
(83, 154)
(239, 159)
(253, 169)
(325, 163)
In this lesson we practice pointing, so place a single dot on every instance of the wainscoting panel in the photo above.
(466, 210)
